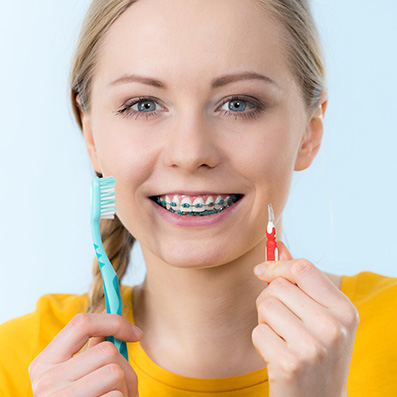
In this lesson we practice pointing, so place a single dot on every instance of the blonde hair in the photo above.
(303, 46)
(306, 63)
(116, 239)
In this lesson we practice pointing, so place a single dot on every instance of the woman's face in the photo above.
(195, 99)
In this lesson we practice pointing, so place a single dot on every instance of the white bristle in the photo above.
(111, 189)
(107, 216)
(107, 198)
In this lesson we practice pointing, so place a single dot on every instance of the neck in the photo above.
(206, 314)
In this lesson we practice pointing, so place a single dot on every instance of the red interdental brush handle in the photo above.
(271, 246)
(271, 243)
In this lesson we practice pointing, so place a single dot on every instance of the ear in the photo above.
(88, 137)
(311, 141)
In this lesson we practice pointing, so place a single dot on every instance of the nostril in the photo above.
(192, 151)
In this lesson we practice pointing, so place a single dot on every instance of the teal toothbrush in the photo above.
(103, 206)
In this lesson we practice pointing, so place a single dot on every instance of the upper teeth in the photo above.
(185, 204)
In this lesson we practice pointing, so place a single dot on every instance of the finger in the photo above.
(88, 361)
(59, 377)
(114, 393)
(268, 344)
(103, 380)
(283, 252)
(306, 276)
(83, 326)
(297, 301)
(285, 323)
(318, 319)
(95, 340)
(99, 356)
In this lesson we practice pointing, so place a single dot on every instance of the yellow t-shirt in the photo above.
(373, 370)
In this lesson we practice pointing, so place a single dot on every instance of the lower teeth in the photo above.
(214, 211)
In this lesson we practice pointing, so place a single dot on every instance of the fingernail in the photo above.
(259, 270)
(137, 332)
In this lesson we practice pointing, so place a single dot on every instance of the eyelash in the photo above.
(127, 112)
(257, 108)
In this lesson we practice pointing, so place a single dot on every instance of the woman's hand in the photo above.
(99, 370)
(306, 329)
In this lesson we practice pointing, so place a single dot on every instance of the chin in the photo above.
(194, 256)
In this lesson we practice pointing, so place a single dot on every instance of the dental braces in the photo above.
(210, 206)
(230, 201)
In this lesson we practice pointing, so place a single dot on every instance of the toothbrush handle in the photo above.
(114, 304)
(120, 344)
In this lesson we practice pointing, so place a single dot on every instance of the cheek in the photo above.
(268, 163)
(121, 150)
(269, 157)
(126, 159)
(129, 157)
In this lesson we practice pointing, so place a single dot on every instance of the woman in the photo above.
(204, 101)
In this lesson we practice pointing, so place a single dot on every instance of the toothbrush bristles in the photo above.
(108, 197)
(107, 217)
(271, 214)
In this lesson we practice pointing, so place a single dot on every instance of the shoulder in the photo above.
(23, 338)
(368, 287)
(52, 312)
(375, 350)
(375, 297)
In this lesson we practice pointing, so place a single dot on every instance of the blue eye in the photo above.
(144, 105)
(240, 107)
(140, 107)
(237, 105)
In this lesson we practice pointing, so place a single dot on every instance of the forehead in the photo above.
(189, 39)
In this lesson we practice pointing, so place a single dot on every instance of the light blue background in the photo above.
(342, 211)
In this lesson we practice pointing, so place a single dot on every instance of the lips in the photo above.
(206, 204)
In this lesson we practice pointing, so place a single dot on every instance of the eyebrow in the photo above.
(231, 78)
(134, 78)
(216, 83)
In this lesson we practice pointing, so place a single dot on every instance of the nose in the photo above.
(191, 144)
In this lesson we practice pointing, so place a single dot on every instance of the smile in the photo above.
(196, 205)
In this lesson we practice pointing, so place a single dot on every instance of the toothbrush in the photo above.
(103, 206)
(271, 243)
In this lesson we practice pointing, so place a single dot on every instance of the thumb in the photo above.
(283, 253)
